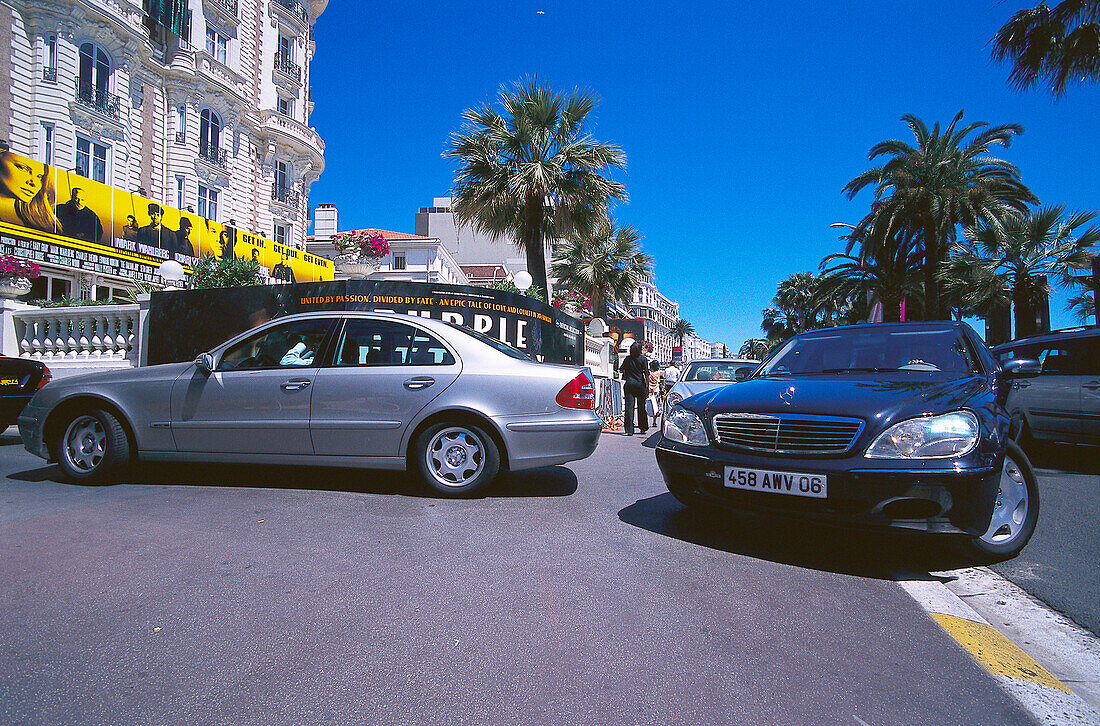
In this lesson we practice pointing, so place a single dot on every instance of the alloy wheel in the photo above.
(85, 443)
(1010, 511)
(455, 456)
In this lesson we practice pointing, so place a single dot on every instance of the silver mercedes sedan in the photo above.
(370, 390)
(705, 374)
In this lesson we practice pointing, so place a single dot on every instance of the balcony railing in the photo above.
(95, 333)
(229, 6)
(284, 194)
(284, 65)
(214, 155)
(181, 137)
(49, 75)
(98, 99)
(295, 8)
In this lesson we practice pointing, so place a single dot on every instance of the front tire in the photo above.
(1016, 511)
(456, 459)
(92, 447)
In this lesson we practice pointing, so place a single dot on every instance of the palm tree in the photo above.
(606, 265)
(927, 190)
(889, 272)
(1054, 46)
(1014, 260)
(531, 171)
(681, 329)
(755, 348)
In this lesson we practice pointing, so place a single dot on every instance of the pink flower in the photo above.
(11, 266)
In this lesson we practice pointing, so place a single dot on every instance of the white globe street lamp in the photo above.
(523, 280)
(172, 273)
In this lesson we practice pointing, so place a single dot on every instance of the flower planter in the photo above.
(360, 267)
(13, 287)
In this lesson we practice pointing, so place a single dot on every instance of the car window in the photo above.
(292, 345)
(713, 371)
(1056, 360)
(367, 342)
(492, 342)
(917, 351)
(1087, 353)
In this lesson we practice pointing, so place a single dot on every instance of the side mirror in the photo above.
(1022, 368)
(743, 372)
(205, 363)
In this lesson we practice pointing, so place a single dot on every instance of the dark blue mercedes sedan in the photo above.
(896, 425)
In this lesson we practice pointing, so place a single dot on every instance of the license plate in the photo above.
(9, 381)
(777, 482)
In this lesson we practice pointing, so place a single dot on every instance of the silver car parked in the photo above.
(705, 374)
(371, 390)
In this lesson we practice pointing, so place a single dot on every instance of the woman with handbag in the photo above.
(635, 371)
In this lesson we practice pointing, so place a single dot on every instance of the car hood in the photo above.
(690, 388)
(167, 371)
(885, 397)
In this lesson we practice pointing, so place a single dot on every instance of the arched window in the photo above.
(95, 78)
(210, 130)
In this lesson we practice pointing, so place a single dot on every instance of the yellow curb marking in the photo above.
(997, 653)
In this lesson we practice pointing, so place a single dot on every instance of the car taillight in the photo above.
(46, 378)
(578, 393)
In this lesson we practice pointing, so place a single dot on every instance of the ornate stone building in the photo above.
(202, 105)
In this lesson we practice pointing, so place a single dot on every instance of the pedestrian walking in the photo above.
(635, 371)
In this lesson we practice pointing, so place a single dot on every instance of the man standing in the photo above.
(672, 375)
(77, 220)
(150, 233)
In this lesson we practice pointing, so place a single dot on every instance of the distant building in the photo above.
(467, 246)
(659, 314)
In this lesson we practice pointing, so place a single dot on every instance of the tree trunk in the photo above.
(536, 258)
(932, 307)
(598, 305)
(891, 310)
(1023, 314)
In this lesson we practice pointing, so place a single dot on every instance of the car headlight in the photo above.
(927, 437)
(684, 427)
(672, 400)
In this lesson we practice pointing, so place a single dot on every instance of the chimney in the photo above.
(324, 222)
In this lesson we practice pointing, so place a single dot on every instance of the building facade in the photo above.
(659, 314)
(202, 105)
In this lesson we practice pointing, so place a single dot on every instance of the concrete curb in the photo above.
(1054, 645)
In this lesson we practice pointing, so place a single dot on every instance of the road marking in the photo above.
(997, 653)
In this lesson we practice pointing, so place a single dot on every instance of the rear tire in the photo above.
(92, 447)
(456, 459)
(1016, 511)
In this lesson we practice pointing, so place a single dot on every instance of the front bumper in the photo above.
(30, 423)
(944, 496)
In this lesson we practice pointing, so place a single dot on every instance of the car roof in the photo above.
(722, 360)
(940, 324)
(1051, 337)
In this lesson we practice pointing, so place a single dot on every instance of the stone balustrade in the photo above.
(92, 334)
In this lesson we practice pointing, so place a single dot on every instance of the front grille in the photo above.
(787, 434)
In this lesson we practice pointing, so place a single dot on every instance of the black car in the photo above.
(1062, 403)
(19, 379)
(896, 425)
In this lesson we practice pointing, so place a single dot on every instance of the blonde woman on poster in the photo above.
(27, 195)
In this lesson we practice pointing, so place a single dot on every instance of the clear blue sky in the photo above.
(741, 122)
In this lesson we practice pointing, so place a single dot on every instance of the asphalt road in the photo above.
(1058, 566)
(572, 595)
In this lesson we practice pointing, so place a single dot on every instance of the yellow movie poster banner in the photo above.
(63, 208)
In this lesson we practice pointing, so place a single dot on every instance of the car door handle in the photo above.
(1018, 384)
(1092, 385)
(295, 384)
(418, 382)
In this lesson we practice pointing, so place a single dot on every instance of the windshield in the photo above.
(869, 350)
(713, 370)
(493, 342)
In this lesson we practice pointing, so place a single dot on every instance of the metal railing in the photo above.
(229, 6)
(213, 155)
(284, 65)
(98, 99)
(106, 333)
(285, 194)
(49, 75)
(295, 8)
(181, 137)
